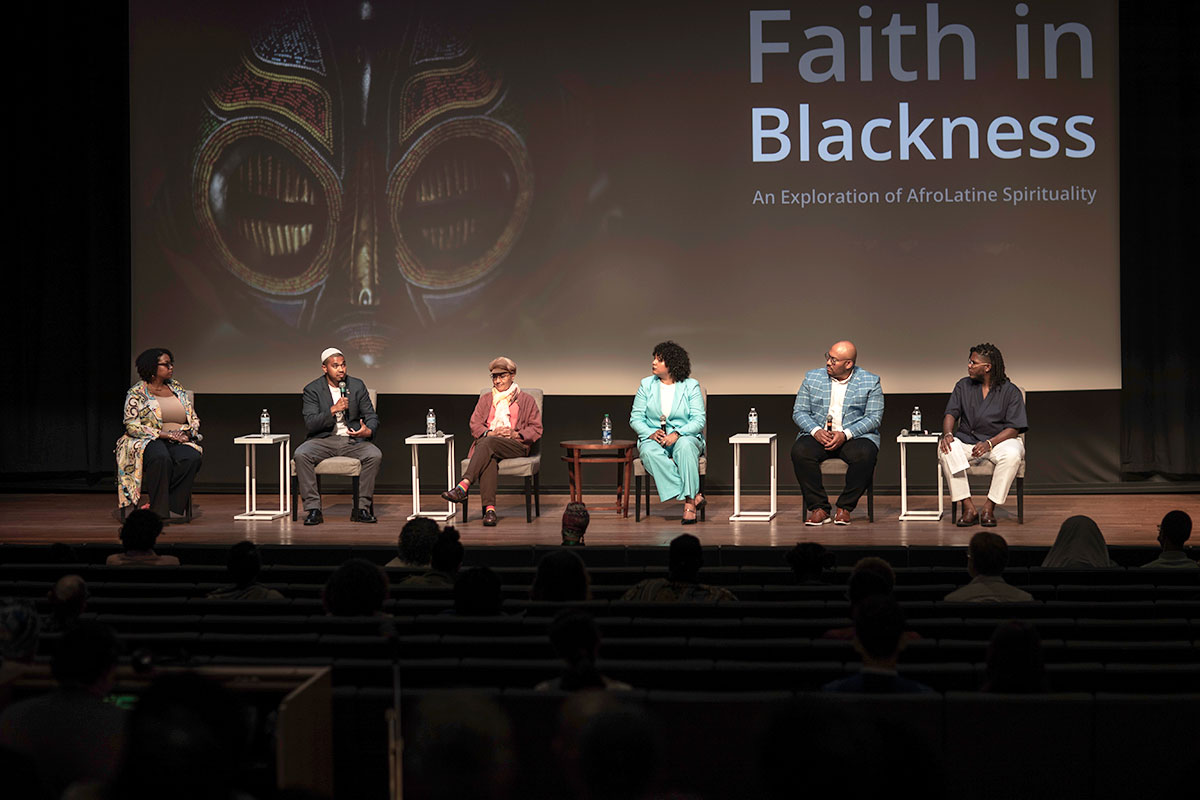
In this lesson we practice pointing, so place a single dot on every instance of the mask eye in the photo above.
(458, 202)
(269, 216)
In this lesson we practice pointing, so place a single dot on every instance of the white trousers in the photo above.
(1005, 458)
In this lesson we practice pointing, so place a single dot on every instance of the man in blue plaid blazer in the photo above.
(838, 410)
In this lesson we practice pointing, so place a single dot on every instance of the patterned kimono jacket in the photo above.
(143, 424)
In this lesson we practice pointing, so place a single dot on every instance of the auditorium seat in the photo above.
(1008, 746)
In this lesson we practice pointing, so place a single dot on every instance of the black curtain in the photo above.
(68, 244)
(68, 359)
(1160, 396)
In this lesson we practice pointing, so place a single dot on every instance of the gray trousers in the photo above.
(313, 451)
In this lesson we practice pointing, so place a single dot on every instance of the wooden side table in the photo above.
(594, 451)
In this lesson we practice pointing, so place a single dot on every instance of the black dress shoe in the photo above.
(455, 494)
(314, 517)
(489, 518)
(363, 515)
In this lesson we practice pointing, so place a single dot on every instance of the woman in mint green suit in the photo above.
(668, 417)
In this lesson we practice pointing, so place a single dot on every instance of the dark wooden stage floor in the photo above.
(1125, 519)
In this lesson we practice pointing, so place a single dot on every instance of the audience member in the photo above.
(561, 577)
(871, 577)
(358, 588)
(681, 584)
(1014, 660)
(1173, 531)
(187, 739)
(576, 640)
(68, 599)
(138, 535)
(575, 521)
(878, 638)
(20, 628)
(414, 547)
(244, 564)
(809, 561)
(1079, 544)
(70, 734)
(608, 748)
(445, 560)
(477, 593)
(462, 747)
(987, 556)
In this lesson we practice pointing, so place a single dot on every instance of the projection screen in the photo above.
(427, 186)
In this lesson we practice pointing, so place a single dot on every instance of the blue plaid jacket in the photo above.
(862, 410)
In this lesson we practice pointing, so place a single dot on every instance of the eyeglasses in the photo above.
(829, 358)
(973, 363)
(167, 364)
(498, 375)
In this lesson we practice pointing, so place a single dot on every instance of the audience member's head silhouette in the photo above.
(462, 747)
(415, 544)
(244, 563)
(477, 592)
(1174, 530)
(609, 749)
(684, 558)
(1014, 660)
(987, 554)
(561, 577)
(576, 639)
(447, 553)
(141, 530)
(186, 739)
(358, 588)
(809, 561)
(871, 576)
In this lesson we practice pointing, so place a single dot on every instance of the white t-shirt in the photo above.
(339, 425)
(837, 397)
(666, 393)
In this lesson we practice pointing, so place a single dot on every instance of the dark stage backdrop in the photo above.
(69, 261)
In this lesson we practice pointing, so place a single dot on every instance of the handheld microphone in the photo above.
(829, 423)
(341, 415)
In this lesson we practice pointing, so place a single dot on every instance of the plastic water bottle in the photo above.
(264, 423)
(430, 423)
(752, 422)
(606, 430)
(916, 421)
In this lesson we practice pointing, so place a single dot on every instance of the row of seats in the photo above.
(593, 555)
(765, 594)
(627, 575)
(1066, 746)
(749, 629)
(339, 648)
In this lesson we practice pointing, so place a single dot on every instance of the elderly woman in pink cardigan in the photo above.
(505, 424)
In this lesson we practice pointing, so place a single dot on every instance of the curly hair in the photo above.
(676, 359)
(147, 362)
(992, 354)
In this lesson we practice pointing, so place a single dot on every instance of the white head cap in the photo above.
(329, 351)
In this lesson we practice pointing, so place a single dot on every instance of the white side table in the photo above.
(737, 440)
(417, 442)
(253, 512)
(927, 514)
